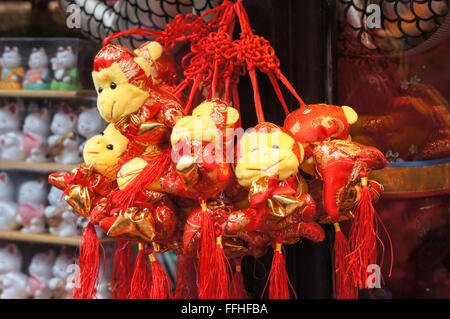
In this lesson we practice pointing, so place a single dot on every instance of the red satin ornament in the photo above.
(317, 122)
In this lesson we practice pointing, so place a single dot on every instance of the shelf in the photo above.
(38, 167)
(48, 93)
(414, 179)
(45, 238)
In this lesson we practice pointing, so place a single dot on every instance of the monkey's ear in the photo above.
(350, 114)
(155, 49)
(143, 64)
(302, 152)
(232, 116)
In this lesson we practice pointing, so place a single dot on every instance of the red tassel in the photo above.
(142, 277)
(161, 287)
(154, 169)
(344, 287)
(207, 251)
(237, 289)
(186, 278)
(89, 262)
(219, 271)
(278, 278)
(122, 271)
(363, 236)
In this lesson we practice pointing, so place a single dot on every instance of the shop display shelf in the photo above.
(414, 178)
(47, 238)
(48, 93)
(37, 167)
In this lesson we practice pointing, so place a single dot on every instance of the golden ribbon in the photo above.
(135, 223)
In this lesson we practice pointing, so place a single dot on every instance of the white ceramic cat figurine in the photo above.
(32, 197)
(8, 208)
(63, 143)
(64, 66)
(60, 284)
(13, 283)
(60, 217)
(38, 77)
(40, 271)
(90, 123)
(10, 136)
(12, 70)
(36, 130)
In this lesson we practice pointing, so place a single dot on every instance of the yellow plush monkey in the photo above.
(208, 121)
(268, 160)
(118, 94)
(271, 154)
(103, 151)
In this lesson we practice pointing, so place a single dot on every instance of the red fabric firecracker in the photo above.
(140, 287)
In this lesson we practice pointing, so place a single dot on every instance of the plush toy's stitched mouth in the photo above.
(92, 152)
(112, 109)
(265, 169)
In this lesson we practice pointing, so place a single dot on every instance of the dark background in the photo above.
(299, 31)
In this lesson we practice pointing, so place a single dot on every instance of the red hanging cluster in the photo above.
(196, 206)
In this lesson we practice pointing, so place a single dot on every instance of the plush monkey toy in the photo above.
(280, 210)
(95, 178)
(268, 159)
(103, 156)
(163, 68)
(342, 167)
(127, 96)
(198, 169)
(140, 110)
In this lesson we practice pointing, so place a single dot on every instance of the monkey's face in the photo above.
(274, 154)
(117, 97)
(203, 124)
(104, 150)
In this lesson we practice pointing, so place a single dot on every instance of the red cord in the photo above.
(137, 31)
(257, 98)
(275, 85)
